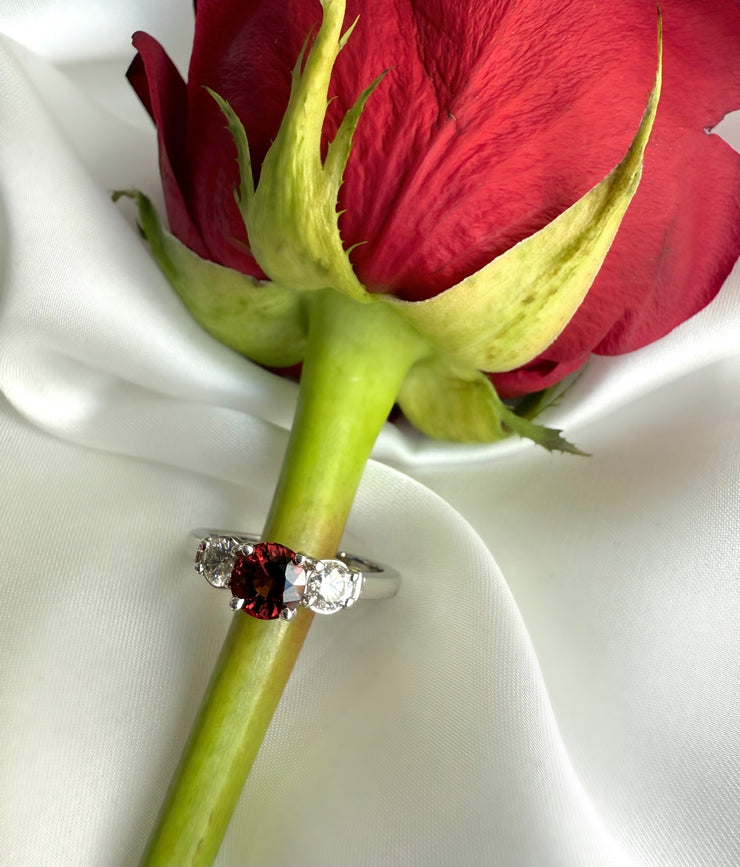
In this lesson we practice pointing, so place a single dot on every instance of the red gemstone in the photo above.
(259, 579)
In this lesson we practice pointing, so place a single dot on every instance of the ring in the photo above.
(269, 581)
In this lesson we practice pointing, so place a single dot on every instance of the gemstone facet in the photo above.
(214, 559)
(260, 580)
(295, 584)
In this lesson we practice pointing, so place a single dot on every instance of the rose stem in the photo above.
(356, 360)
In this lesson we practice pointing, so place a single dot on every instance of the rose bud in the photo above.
(492, 168)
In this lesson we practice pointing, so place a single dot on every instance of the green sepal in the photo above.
(549, 438)
(245, 191)
(339, 149)
(291, 218)
(449, 401)
(507, 313)
(534, 404)
(261, 320)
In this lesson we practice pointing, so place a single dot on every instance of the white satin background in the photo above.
(557, 682)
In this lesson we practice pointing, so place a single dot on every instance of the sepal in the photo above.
(245, 192)
(535, 403)
(264, 321)
(449, 401)
(291, 218)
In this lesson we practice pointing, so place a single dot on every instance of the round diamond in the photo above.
(214, 559)
(335, 587)
(259, 579)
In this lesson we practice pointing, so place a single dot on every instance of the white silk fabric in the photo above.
(557, 682)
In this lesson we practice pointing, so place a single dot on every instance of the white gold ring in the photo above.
(268, 580)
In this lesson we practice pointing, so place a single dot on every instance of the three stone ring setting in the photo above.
(270, 581)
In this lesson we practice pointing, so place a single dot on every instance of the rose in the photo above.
(483, 212)
(476, 139)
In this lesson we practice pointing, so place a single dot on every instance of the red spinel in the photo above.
(259, 579)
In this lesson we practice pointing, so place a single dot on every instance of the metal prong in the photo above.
(236, 603)
(348, 603)
(198, 565)
(287, 614)
(247, 550)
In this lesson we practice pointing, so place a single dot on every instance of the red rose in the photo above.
(494, 118)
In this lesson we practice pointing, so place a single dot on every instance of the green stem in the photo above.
(357, 358)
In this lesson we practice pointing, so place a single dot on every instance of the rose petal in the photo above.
(681, 235)
(165, 96)
(161, 89)
(512, 121)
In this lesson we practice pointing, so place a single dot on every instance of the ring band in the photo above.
(268, 580)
